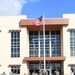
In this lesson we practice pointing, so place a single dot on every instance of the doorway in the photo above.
(50, 67)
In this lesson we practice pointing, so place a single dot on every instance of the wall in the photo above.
(66, 43)
(12, 23)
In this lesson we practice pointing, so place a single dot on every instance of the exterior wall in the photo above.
(66, 43)
(12, 23)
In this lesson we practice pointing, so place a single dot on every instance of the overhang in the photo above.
(71, 64)
(60, 21)
(14, 65)
(14, 30)
(70, 29)
(50, 24)
(38, 59)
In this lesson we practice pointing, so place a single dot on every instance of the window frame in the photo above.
(72, 43)
(15, 69)
(15, 44)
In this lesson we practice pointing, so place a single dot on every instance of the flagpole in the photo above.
(44, 42)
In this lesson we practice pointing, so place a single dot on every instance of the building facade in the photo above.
(22, 45)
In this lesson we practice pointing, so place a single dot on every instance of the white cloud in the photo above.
(11, 7)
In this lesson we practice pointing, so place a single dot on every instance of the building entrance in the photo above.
(50, 67)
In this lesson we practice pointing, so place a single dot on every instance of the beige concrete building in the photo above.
(22, 46)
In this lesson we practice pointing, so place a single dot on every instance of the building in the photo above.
(22, 50)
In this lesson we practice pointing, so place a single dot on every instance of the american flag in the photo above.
(37, 22)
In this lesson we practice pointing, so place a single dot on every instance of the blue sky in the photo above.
(35, 8)
(51, 8)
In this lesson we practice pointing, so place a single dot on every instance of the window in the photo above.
(15, 69)
(52, 43)
(72, 43)
(15, 44)
(55, 43)
(54, 66)
(33, 43)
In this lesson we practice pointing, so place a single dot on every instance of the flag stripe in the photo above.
(37, 22)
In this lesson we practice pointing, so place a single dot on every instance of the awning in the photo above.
(17, 30)
(71, 29)
(14, 65)
(71, 64)
(50, 24)
(51, 59)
